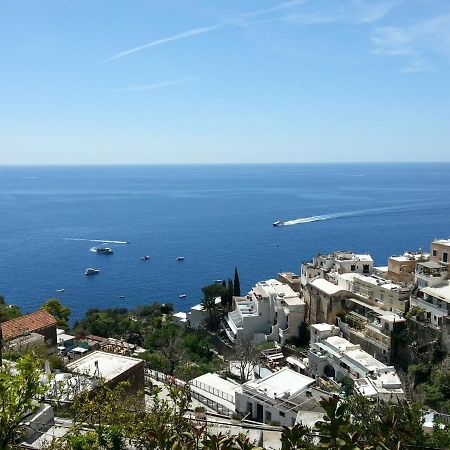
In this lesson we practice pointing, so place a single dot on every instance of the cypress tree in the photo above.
(237, 284)
(230, 293)
(224, 294)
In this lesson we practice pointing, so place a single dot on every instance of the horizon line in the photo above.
(219, 163)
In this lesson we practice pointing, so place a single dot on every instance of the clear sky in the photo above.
(135, 81)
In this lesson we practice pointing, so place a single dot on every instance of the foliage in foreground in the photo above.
(111, 420)
(19, 387)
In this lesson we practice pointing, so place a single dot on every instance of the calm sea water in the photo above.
(217, 217)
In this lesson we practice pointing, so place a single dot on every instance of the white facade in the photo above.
(431, 274)
(435, 301)
(338, 262)
(271, 311)
(333, 356)
(278, 397)
(194, 318)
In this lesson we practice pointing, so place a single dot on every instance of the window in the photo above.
(352, 267)
(282, 414)
(434, 253)
(445, 257)
(366, 268)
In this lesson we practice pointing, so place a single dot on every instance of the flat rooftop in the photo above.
(282, 384)
(442, 241)
(325, 286)
(441, 292)
(110, 365)
(389, 316)
(378, 281)
(354, 352)
(274, 287)
(323, 326)
(432, 265)
(214, 381)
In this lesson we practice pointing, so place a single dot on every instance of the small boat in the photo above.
(218, 281)
(102, 250)
(180, 258)
(278, 223)
(182, 296)
(91, 271)
(144, 258)
(60, 290)
(121, 296)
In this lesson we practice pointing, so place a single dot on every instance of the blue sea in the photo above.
(216, 216)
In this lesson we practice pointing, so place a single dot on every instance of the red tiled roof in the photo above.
(30, 322)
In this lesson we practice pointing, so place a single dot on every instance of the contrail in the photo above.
(176, 37)
(150, 87)
(239, 20)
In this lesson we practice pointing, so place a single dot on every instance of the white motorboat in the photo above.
(91, 271)
(102, 250)
(180, 258)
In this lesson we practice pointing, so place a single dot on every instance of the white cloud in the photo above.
(422, 43)
(417, 66)
(280, 7)
(372, 11)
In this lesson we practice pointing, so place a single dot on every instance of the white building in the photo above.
(195, 317)
(337, 262)
(215, 392)
(431, 273)
(278, 397)
(334, 357)
(271, 311)
(435, 301)
(377, 291)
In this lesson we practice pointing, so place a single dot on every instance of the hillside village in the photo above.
(339, 327)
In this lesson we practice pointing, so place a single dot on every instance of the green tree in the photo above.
(296, 438)
(237, 284)
(59, 312)
(18, 390)
(210, 293)
(246, 355)
(304, 334)
(230, 292)
(8, 312)
(347, 385)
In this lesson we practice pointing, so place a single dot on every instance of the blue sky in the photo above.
(224, 81)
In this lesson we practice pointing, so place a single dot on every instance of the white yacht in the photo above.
(278, 223)
(102, 250)
(180, 258)
(182, 296)
(91, 271)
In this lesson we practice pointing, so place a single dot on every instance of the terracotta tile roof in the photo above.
(29, 323)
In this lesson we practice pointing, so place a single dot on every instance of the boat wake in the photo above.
(362, 212)
(101, 241)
